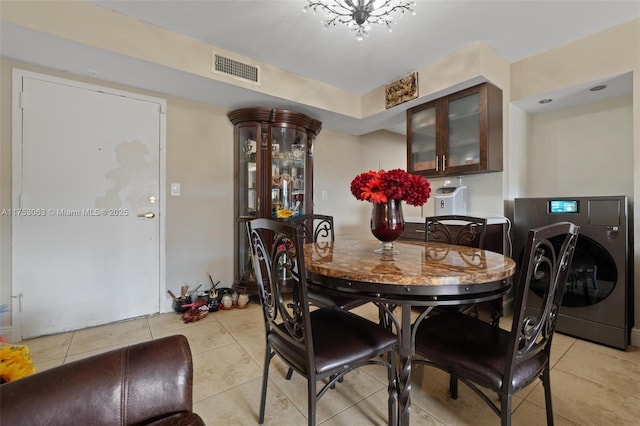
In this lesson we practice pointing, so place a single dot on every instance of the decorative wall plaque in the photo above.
(402, 90)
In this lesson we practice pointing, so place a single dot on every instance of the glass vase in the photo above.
(387, 224)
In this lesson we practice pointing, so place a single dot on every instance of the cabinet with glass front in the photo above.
(273, 174)
(457, 134)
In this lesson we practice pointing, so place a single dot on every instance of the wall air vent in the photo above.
(241, 70)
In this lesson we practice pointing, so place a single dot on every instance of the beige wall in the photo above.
(338, 158)
(199, 222)
(582, 151)
(518, 141)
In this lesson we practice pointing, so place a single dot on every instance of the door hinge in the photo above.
(19, 297)
(23, 100)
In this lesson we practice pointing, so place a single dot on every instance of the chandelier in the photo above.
(358, 15)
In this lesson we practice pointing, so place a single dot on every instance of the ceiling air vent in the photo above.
(228, 66)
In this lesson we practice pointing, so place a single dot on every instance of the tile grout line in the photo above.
(66, 353)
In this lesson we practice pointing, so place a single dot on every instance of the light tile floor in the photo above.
(591, 384)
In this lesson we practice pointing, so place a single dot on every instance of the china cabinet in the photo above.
(457, 134)
(273, 174)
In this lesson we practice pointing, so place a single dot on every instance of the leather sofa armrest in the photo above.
(138, 384)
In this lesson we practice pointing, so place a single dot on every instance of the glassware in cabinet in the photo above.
(288, 171)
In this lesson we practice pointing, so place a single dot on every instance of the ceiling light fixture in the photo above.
(358, 15)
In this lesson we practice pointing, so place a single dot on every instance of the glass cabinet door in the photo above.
(247, 169)
(463, 116)
(288, 147)
(423, 140)
(248, 200)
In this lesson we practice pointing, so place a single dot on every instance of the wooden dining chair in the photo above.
(318, 228)
(460, 230)
(486, 357)
(323, 344)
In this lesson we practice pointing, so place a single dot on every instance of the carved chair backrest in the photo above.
(316, 227)
(547, 255)
(456, 229)
(278, 259)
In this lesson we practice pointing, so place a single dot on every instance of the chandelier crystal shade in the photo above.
(359, 15)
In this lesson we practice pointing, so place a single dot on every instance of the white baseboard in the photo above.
(635, 337)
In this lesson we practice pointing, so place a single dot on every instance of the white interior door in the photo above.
(84, 254)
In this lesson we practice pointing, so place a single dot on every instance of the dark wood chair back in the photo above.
(315, 227)
(488, 358)
(463, 231)
(548, 254)
(318, 228)
(323, 344)
(456, 229)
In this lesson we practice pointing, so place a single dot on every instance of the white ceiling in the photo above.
(279, 33)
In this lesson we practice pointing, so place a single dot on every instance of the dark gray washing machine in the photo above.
(598, 299)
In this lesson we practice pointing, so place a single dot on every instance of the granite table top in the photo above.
(422, 267)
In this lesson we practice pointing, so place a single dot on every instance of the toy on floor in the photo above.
(196, 313)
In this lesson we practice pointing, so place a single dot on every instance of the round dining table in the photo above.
(420, 273)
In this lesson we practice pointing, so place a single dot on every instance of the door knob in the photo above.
(149, 215)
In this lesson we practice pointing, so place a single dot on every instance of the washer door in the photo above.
(592, 274)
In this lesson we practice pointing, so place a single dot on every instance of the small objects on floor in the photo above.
(213, 305)
(227, 301)
(234, 300)
(243, 300)
(190, 303)
(194, 298)
(195, 314)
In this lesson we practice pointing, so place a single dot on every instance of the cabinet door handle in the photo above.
(437, 163)
(444, 163)
(258, 204)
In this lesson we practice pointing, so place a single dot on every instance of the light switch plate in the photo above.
(175, 189)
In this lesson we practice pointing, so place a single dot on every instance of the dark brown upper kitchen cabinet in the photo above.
(457, 134)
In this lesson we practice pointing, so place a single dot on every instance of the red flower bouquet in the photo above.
(396, 184)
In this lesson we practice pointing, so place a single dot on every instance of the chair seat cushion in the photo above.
(474, 349)
(339, 338)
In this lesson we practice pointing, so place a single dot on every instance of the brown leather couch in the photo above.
(150, 383)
